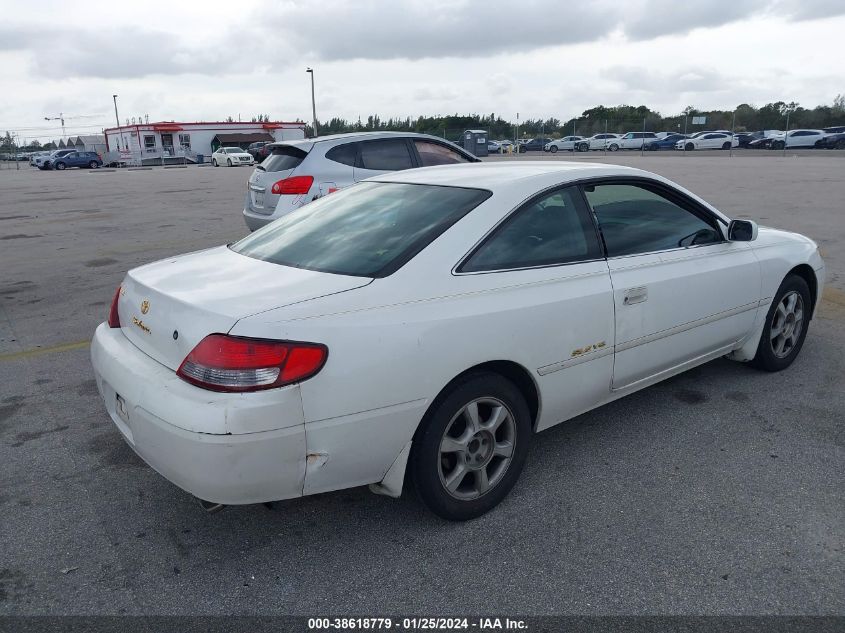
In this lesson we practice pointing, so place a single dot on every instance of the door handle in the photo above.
(635, 295)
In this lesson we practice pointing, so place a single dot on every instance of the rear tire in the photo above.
(93, 164)
(471, 447)
(726, 145)
(214, 162)
(785, 327)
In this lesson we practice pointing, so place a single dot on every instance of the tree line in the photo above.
(621, 118)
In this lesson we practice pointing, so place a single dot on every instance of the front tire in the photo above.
(214, 162)
(689, 147)
(60, 166)
(726, 145)
(553, 149)
(229, 162)
(472, 447)
(786, 326)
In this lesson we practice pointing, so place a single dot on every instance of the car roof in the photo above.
(525, 178)
(498, 175)
(308, 143)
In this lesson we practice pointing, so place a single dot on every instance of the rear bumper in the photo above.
(164, 420)
(255, 221)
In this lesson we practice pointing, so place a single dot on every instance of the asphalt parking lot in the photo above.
(717, 492)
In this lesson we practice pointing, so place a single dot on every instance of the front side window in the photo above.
(386, 155)
(639, 219)
(368, 230)
(436, 154)
(552, 229)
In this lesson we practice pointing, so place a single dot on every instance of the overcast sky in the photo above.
(185, 60)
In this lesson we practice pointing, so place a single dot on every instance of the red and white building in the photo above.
(170, 138)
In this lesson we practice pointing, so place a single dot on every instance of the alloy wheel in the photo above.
(477, 448)
(787, 324)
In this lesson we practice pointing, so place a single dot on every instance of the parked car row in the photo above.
(828, 138)
(62, 159)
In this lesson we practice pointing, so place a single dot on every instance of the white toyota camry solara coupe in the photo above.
(430, 322)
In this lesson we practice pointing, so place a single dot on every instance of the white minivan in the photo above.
(297, 172)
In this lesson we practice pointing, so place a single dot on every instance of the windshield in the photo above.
(368, 230)
(233, 150)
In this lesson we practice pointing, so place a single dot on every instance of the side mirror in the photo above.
(742, 231)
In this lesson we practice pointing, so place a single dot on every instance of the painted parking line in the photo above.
(38, 351)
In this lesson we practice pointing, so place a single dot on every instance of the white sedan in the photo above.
(231, 157)
(566, 143)
(709, 140)
(431, 322)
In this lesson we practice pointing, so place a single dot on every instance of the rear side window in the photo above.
(552, 229)
(284, 157)
(368, 230)
(386, 155)
(437, 154)
(636, 219)
(344, 154)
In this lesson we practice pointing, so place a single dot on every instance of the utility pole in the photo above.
(310, 71)
(61, 118)
(117, 120)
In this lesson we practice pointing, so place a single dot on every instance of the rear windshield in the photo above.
(368, 230)
(283, 157)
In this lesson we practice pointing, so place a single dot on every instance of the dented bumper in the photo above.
(217, 448)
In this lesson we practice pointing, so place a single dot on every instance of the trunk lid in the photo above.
(167, 307)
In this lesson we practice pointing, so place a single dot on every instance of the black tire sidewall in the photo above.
(426, 447)
(765, 358)
(553, 149)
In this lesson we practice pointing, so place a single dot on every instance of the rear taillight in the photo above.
(114, 317)
(232, 363)
(297, 185)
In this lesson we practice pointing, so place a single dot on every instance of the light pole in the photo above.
(310, 71)
(61, 118)
(117, 120)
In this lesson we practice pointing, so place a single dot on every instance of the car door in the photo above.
(383, 155)
(540, 282)
(682, 293)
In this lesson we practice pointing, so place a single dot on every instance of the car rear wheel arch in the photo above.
(512, 371)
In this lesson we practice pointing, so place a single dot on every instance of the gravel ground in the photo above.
(719, 491)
